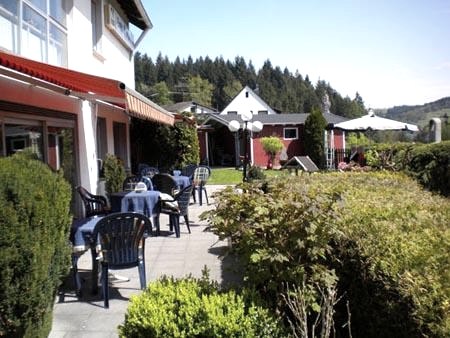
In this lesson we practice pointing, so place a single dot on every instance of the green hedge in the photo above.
(34, 250)
(378, 235)
(392, 258)
(428, 163)
(190, 307)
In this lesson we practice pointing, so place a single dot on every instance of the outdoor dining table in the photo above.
(81, 236)
(182, 181)
(143, 202)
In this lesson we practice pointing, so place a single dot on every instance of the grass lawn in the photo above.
(222, 175)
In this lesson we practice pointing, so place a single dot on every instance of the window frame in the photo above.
(286, 129)
(21, 30)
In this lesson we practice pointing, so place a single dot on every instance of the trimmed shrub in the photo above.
(379, 235)
(392, 258)
(190, 307)
(281, 233)
(114, 172)
(34, 249)
(272, 145)
(430, 165)
(255, 173)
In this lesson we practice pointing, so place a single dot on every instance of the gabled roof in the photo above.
(247, 100)
(186, 106)
(278, 119)
(272, 117)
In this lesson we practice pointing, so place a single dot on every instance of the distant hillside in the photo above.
(419, 115)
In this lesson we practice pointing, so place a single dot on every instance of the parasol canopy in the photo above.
(373, 122)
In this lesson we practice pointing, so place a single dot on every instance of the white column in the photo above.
(207, 147)
(86, 147)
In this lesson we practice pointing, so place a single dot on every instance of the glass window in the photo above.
(102, 147)
(21, 136)
(31, 29)
(9, 19)
(51, 139)
(9, 6)
(33, 35)
(290, 133)
(57, 48)
(96, 21)
(120, 141)
(60, 152)
(57, 11)
(40, 4)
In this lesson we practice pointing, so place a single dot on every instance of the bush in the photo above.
(190, 307)
(379, 235)
(271, 145)
(255, 173)
(281, 235)
(114, 174)
(34, 250)
(430, 165)
(392, 258)
(389, 156)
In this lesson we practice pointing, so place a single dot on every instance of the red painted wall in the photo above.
(293, 147)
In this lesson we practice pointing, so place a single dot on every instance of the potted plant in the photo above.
(271, 145)
(114, 173)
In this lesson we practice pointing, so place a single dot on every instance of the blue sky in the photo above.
(392, 52)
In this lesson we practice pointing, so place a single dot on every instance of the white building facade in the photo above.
(67, 82)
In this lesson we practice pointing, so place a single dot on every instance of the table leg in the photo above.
(76, 275)
(94, 270)
(157, 225)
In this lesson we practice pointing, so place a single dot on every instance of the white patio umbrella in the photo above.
(373, 122)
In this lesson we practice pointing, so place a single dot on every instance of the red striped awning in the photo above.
(90, 86)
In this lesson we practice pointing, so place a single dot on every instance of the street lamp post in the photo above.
(247, 126)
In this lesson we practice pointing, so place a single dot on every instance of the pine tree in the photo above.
(314, 137)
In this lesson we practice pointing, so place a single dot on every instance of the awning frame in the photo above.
(85, 86)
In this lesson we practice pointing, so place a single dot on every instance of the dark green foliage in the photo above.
(186, 144)
(163, 146)
(281, 235)
(392, 260)
(34, 249)
(429, 164)
(255, 173)
(314, 137)
(114, 172)
(191, 307)
(282, 90)
(379, 235)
